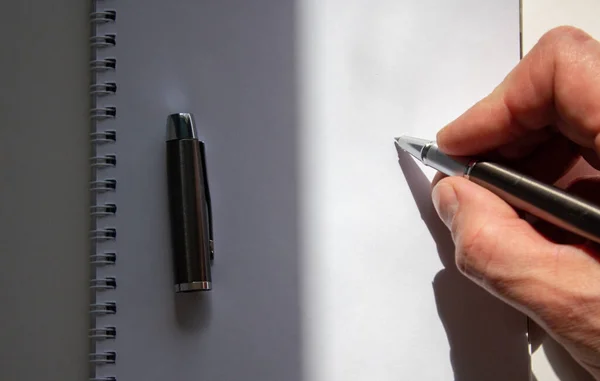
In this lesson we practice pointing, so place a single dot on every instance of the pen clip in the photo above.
(208, 200)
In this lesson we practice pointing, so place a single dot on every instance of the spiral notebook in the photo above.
(329, 261)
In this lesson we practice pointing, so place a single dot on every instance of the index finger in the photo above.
(556, 83)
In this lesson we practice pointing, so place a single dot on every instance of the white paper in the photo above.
(382, 298)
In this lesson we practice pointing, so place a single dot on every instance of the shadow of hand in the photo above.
(487, 337)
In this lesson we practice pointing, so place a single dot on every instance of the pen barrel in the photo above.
(189, 213)
(541, 200)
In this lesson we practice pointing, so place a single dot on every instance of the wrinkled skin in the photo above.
(541, 119)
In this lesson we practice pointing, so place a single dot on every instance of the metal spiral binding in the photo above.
(102, 189)
(103, 112)
(107, 88)
(102, 17)
(100, 186)
(103, 210)
(108, 283)
(103, 161)
(103, 357)
(103, 259)
(103, 64)
(103, 234)
(109, 136)
(105, 333)
(105, 41)
(106, 308)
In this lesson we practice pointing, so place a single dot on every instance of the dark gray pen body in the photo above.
(522, 192)
(189, 206)
(543, 201)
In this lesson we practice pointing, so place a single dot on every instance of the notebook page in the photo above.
(324, 268)
(382, 297)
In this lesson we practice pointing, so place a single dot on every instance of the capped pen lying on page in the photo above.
(189, 205)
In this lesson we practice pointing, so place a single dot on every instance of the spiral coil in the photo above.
(107, 88)
(108, 283)
(104, 333)
(102, 190)
(103, 161)
(103, 64)
(106, 308)
(103, 112)
(103, 210)
(101, 137)
(103, 259)
(105, 41)
(103, 357)
(100, 186)
(106, 234)
(105, 16)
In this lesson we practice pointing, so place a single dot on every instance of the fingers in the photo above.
(556, 83)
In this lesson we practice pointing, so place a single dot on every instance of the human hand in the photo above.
(541, 119)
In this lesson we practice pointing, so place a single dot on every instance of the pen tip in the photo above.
(413, 146)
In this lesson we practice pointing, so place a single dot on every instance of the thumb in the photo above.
(494, 247)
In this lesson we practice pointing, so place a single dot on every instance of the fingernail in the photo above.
(445, 202)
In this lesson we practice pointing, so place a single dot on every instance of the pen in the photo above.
(189, 206)
(541, 200)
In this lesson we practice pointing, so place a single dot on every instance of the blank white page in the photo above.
(382, 298)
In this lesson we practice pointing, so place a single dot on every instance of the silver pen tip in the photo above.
(181, 126)
(414, 146)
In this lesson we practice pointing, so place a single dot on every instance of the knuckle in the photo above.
(574, 55)
(564, 34)
(474, 248)
(566, 44)
(482, 252)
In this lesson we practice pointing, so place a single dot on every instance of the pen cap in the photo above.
(181, 126)
(189, 206)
